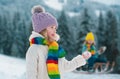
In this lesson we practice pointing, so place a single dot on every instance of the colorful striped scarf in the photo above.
(91, 48)
(54, 52)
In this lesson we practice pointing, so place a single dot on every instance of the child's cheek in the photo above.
(51, 36)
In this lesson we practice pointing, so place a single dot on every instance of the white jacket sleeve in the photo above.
(31, 64)
(67, 66)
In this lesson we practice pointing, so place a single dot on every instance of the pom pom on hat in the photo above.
(89, 36)
(37, 9)
(41, 19)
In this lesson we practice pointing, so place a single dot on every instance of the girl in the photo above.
(89, 45)
(45, 58)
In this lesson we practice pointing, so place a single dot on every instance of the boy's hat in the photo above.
(89, 36)
(41, 19)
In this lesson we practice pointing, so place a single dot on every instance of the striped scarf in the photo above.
(54, 52)
(91, 48)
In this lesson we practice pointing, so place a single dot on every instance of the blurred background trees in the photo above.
(76, 19)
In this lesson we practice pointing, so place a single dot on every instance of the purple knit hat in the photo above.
(41, 19)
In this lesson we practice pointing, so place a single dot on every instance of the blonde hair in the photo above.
(44, 33)
(86, 42)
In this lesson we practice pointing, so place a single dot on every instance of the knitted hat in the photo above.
(89, 36)
(41, 19)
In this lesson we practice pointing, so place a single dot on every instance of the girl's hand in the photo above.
(86, 55)
(57, 37)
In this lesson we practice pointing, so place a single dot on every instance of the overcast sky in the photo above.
(109, 2)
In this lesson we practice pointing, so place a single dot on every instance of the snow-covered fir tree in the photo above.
(111, 33)
(64, 32)
(101, 37)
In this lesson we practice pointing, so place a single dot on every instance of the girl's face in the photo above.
(90, 42)
(51, 32)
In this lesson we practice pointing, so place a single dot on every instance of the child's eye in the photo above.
(52, 27)
(55, 28)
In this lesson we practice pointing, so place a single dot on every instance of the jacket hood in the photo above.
(35, 34)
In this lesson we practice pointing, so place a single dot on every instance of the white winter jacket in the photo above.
(36, 61)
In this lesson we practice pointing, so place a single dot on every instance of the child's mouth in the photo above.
(53, 34)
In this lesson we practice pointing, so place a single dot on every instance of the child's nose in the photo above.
(55, 31)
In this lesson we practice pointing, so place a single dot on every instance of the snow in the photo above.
(54, 4)
(11, 68)
(72, 14)
(90, 76)
(14, 68)
(97, 12)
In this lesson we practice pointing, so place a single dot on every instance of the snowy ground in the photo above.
(14, 68)
(11, 68)
(91, 76)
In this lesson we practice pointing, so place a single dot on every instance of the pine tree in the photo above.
(101, 31)
(21, 40)
(63, 30)
(7, 43)
(3, 37)
(14, 30)
(111, 33)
